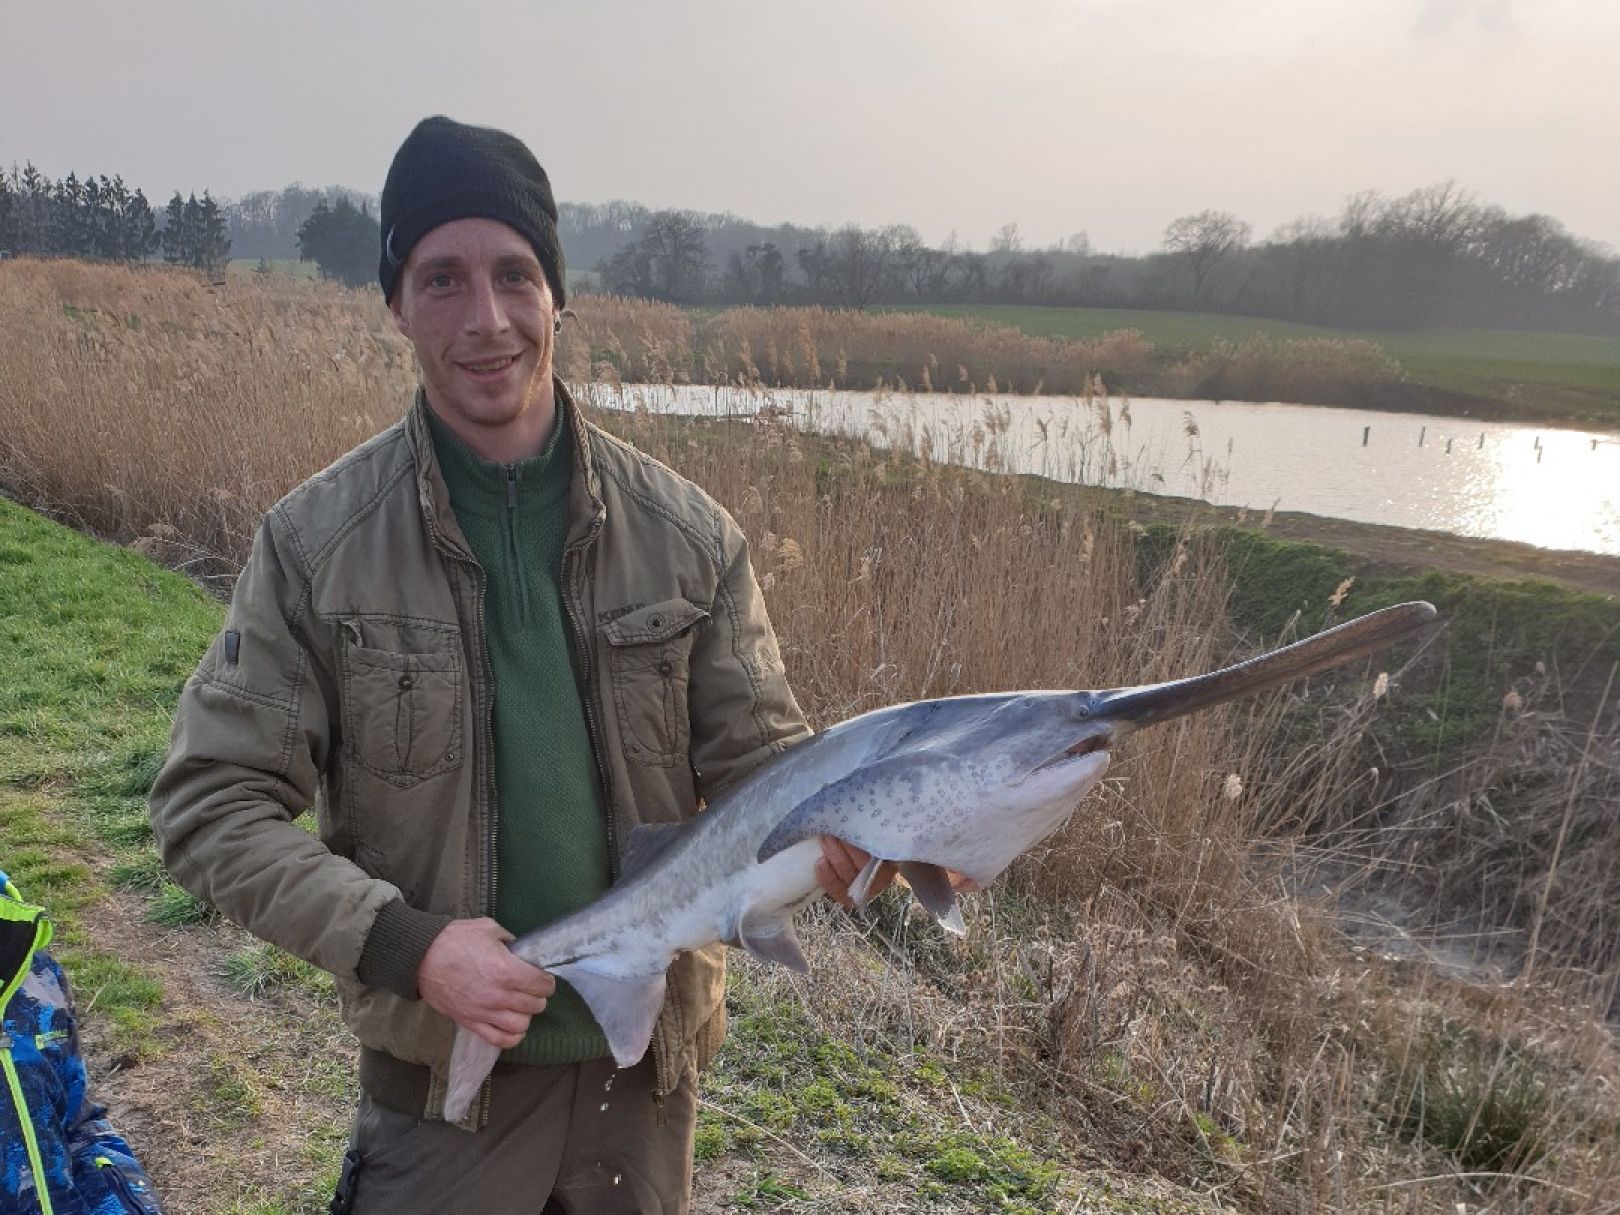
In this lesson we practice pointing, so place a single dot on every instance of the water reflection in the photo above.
(1553, 488)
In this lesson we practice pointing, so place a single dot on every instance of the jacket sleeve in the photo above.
(742, 710)
(251, 738)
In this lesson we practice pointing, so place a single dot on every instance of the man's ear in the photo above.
(398, 313)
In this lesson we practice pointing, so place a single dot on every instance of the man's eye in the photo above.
(514, 277)
(439, 282)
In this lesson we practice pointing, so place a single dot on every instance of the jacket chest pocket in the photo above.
(402, 711)
(649, 650)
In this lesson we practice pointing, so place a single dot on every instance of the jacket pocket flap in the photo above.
(655, 622)
(389, 660)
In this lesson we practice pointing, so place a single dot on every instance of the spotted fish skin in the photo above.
(964, 783)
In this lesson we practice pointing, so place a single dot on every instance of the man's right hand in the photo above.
(470, 976)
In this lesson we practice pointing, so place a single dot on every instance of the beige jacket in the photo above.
(351, 676)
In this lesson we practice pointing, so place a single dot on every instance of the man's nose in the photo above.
(484, 312)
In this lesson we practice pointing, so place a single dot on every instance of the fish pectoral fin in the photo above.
(769, 936)
(932, 888)
(646, 842)
(879, 807)
(626, 1007)
(860, 890)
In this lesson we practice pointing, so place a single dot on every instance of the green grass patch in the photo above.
(780, 1079)
(278, 267)
(1559, 376)
(176, 907)
(259, 969)
(229, 1099)
(95, 644)
(105, 986)
(1495, 631)
(1491, 1106)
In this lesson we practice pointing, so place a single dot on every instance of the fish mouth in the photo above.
(1122, 709)
(1090, 745)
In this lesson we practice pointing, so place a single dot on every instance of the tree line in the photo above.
(1434, 256)
(101, 217)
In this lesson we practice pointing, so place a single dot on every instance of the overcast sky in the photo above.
(1110, 117)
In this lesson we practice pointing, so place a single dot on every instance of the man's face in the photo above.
(475, 303)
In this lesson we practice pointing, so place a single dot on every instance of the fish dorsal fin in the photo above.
(932, 888)
(769, 936)
(625, 1007)
(645, 844)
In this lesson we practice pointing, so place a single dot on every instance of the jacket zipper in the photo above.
(514, 560)
(486, 759)
(573, 559)
(41, 1184)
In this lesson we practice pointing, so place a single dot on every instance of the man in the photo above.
(484, 645)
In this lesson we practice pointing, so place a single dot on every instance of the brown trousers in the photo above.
(574, 1139)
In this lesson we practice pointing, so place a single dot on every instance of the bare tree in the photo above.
(859, 263)
(756, 275)
(1205, 240)
(670, 261)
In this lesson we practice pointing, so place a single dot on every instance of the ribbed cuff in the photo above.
(399, 939)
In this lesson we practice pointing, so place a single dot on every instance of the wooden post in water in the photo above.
(1421, 433)
(1448, 447)
(1367, 430)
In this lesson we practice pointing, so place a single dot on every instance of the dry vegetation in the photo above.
(1148, 982)
(638, 340)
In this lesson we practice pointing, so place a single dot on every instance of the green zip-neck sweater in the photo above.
(551, 848)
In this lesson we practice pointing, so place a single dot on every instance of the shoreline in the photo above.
(1391, 549)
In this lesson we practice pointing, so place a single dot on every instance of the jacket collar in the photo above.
(586, 510)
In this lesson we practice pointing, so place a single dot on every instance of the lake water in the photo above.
(1554, 488)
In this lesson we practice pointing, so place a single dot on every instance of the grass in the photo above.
(285, 267)
(258, 969)
(1534, 376)
(780, 1073)
(94, 645)
(95, 642)
(124, 994)
(1491, 1107)
(1183, 330)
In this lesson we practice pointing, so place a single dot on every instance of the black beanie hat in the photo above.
(448, 170)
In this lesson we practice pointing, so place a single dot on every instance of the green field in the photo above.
(1544, 376)
(284, 267)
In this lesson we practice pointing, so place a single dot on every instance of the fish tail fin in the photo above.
(470, 1061)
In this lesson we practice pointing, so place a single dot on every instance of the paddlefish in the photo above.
(962, 783)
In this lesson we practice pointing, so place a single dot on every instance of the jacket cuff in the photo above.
(399, 938)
